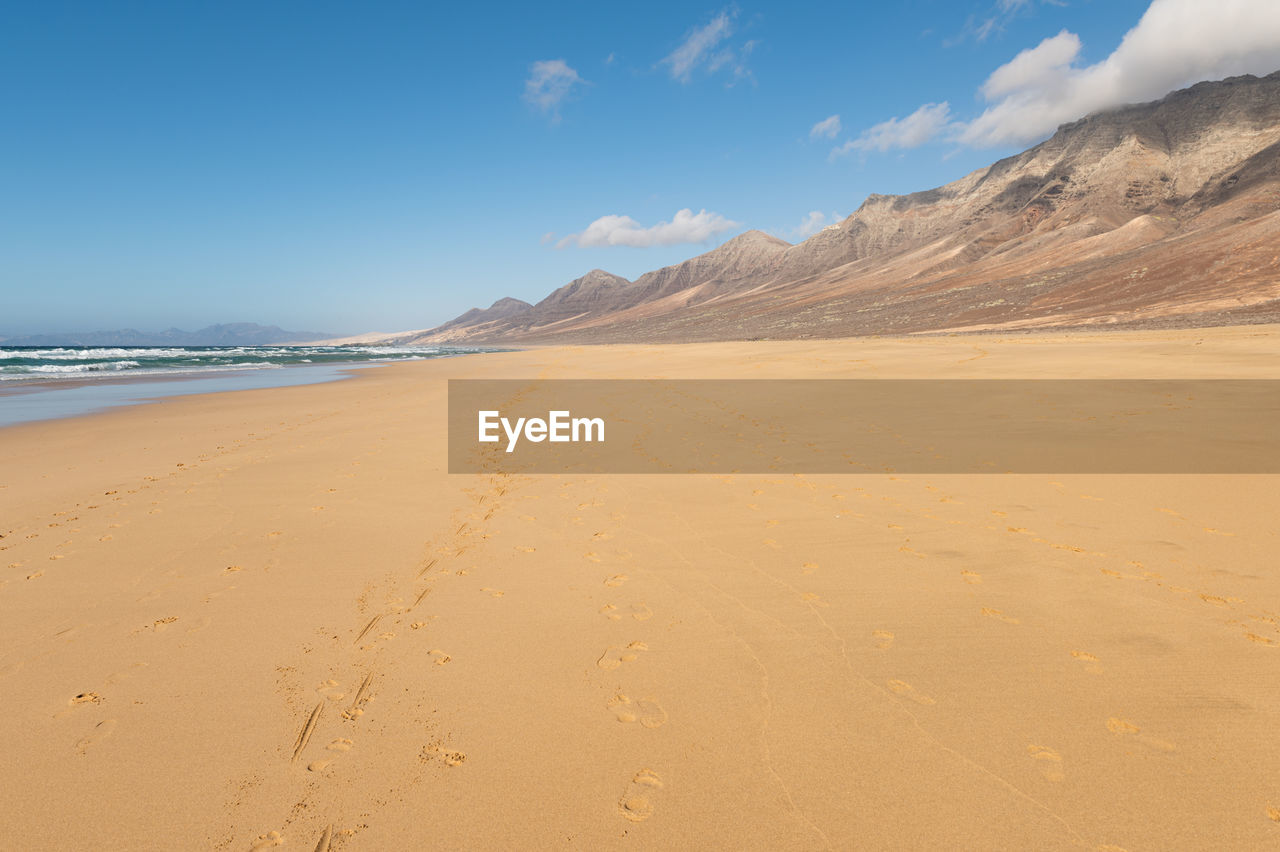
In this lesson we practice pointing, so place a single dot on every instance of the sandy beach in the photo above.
(271, 617)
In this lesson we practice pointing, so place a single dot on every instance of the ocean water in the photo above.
(18, 363)
(52, 382)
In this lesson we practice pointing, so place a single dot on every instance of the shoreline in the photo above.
(110, 391)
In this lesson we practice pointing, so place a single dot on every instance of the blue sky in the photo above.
(349, 167)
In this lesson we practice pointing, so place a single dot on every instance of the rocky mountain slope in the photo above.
(1151, 214)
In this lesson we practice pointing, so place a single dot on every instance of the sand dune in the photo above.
(245, 620)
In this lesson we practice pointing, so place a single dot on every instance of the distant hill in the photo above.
(226, 334)
(1149, 215)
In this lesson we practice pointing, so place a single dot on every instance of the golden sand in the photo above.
(271, 617)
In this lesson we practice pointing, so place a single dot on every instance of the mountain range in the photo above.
(1149, 215)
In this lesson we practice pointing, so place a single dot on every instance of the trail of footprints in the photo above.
(636, 803)
(354, 705)
(637, 800)
(117, 497)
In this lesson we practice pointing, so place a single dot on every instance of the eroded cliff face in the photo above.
(1154, 213)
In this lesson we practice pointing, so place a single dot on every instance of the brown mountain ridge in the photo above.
(1157, 214)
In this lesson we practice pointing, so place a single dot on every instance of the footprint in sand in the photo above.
(1050, 762)
(638, 611)
(340, 744)
(999, 616)
(439, 657)
(616, 580)
(268, 840)
(123, 674)
(362, 697)
(331, 690)
(493, 593)
(971, 577)
(99, 733)
(1125, 728)
(615, 657)
(808, 568)
(906, 690)
(884, 638)
(1120, 726)
(636, 803)
(431, 751)
(813, 599)
(646, 711)
(1090, 661)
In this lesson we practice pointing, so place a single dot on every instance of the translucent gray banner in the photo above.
(865, 426)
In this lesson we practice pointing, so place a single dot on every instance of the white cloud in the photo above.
(812, 224)
(1040, 66)
(994, 20)
(698, 44)
(706, 47)
(828, 128)
(1176, 42)
(685, 227)
(910, 132)
(550, 82)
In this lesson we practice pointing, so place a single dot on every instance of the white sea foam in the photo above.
(54, 362)
(100, 366)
